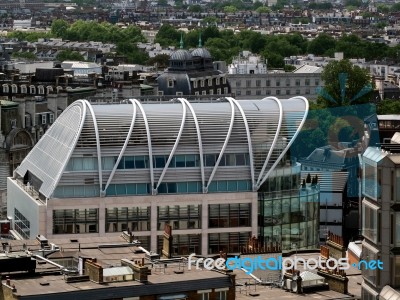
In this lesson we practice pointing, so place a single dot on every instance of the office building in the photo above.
(101, 169)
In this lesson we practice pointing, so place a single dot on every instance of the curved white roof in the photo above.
(264, 129)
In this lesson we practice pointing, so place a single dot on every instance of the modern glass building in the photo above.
(289, 215)
(101, 169)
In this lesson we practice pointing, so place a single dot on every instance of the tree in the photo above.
(69, 55)
(24, 55)
(321, 44)
(59, 28)
(195, 8)
(167, 35)
(210, 20)
(160, 60)
(388, 107)
(230, 9)
(263, 10)
(345, 84)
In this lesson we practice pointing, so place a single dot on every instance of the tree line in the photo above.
(222, 44)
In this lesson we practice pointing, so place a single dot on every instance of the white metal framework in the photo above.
(262, 130)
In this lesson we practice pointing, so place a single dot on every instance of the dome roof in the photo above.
(202, 52)
(181, 55)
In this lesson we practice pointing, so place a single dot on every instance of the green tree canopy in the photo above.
(167, 35)
(388, 107)
(321, 44)
(263, 10)
(59, 27)
(344, 83)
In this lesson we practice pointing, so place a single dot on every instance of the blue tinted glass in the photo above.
(162, 189)
(159, 161)
(242, 185)
(182, 187)
(209, 160)
(120, 189)
(192, 187)
(222, 186)
(212, 187)
(190, 161)
(180, 161)
(232, 185)
(129, 162)
(121, 163)
(130, 189)
(142, 189)
(240, 160)
(110, 190)
(171, 187)
(140, 162)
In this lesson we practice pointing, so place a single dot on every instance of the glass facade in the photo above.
(289, 214)
(370, 222)
(229, 215)
(119, 219)
(370, 181)
(179, 217)
(67, 221)
(22, 224)
(183, 244)
(229, 242)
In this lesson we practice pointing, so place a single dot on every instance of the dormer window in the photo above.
(170, 83)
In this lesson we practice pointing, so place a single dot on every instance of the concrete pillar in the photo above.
(204, 227)
(153, 226)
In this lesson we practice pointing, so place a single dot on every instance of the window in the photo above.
(179, 93)
(202, 83)
(204, 92)
(51, 118)
(278, 92)
(229, 215)
(22, 224)
(307, 92)
(297, 82)
(268, 82)
(267, 92)
(287, 82)
(238, 83)
(122, 218)
(23, 89)
(5, 88)
(258, 92)
(217, 82)
(238, 93)
(170, 83)
(75, 221)
(211, 92)
(14, 89)
(195, 84)
(210, 82)
(218, 91)
(248, 83)
(221, 294)
(287, 92)
(225, 90)
(248, 93)
(297, 92)
(196, 93)
(204, 294)
(224, 80)
(370, 222)
(307, 81)
(44, 119)
(258, 83)
(160, 93)
(180, 216)
(278, 83)
(32, 89)
(41, 89)
(317, 82)
(13, 123)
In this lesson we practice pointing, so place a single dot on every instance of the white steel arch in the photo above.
(225, 143)
(278, 130)
(98, 147)
(196, 123)
(250, 144)
(128, 136)
(291, 140)
(178, 138)
(146, 123)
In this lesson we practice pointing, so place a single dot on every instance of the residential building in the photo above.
(82, 268)
(249, 78)
(381, 221)
(195, 166)
(337, 171)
